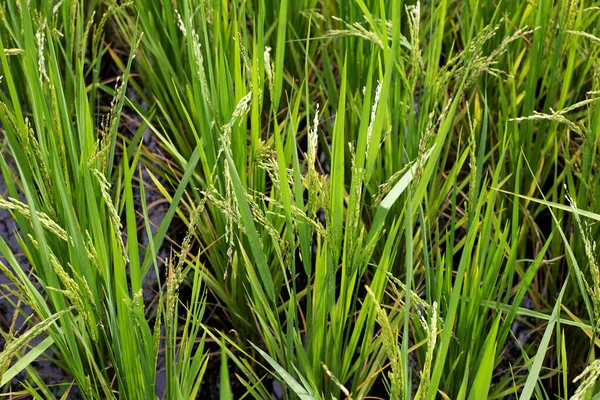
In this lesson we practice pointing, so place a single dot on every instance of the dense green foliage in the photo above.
(380, 198)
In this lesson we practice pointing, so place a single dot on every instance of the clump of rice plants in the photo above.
(82, 274)
(379, 199)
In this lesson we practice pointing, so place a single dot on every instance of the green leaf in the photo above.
(26, 360)
(301, 392)
(483, 377)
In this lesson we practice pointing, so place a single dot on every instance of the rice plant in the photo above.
(82, 274)
(362, 199)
